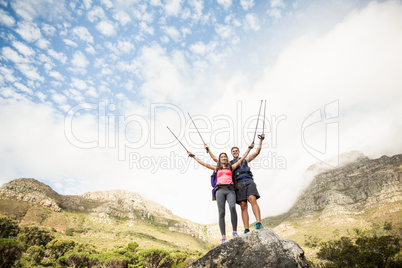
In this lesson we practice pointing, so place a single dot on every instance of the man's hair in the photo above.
(234, 147)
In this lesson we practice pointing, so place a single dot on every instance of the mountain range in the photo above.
(360, 194)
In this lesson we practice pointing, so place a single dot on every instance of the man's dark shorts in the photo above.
(246, 188)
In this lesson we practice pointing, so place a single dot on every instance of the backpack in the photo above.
(214, 180)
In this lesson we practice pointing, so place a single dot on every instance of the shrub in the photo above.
(365, 252)
(151, 258)
(57, 248)
(69, 231)
(33, 236)
(8, 228)
(36, 254)
(10, 251)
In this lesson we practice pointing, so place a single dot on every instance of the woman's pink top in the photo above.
(224, 176)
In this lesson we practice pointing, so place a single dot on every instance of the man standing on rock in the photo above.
(247, 189)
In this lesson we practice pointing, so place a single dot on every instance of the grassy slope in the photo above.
(104, 233)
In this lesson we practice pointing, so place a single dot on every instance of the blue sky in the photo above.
(87, 89)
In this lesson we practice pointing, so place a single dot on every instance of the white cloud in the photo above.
(252, 22)
(90, 49)
(225, 3)
(30, 10)
(56, 75)
(79, 60)
(58, 98)
(78, 84)
(106, 28)
(155, 2)
(87, 3)
(224, 31)
(274, 13)
(8, 92)
(48, 29)
(6, 19)
(75, 95)
(173, 7)
(125, 47)
(203, 49)
(83, 34)
(161, 75)
(107, 3)
(29, 31)
(23, 88)
(42, 97)
(122, 17)
(147, 29)
(247, 4)
(172, 32)
(30, 72)
(96, 13)
(13, 55)
(92, 92)
(43, 43)
(70, 43)
(198, 6)
(7, 74)
(57, 55)
(277, 4)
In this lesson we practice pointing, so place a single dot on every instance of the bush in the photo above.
(8, 228)
(10, 251)
(365, 252)
(33, 236)
(151, 258)
(69, 231)
(36, 254)
(112, 260)
(57, 248)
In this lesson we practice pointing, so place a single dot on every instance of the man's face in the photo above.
(235, 152)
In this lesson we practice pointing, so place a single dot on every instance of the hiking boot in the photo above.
(246, 231)
(258, 226)
(235, 234)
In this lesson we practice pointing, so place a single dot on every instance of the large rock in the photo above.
(260, 248)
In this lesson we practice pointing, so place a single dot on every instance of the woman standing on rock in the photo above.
(226, 190)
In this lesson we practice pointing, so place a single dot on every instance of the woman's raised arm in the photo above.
(213, 167)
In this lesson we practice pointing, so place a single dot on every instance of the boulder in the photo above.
(259, 248)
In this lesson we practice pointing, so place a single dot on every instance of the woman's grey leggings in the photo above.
(222, 195)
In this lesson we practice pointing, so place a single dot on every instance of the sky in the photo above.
(88, 89)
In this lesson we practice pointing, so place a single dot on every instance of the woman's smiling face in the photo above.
(223, 158)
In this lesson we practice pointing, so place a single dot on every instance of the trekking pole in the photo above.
(177, 139)
(257, 121)
(197, 130)
(263, 122)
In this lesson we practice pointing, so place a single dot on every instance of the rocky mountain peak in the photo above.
(31, 190)
(352, 188)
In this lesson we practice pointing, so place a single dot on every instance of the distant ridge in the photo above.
(362, 194)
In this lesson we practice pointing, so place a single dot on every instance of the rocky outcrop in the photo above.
(32, 191)
(260, 248)
(353, 188)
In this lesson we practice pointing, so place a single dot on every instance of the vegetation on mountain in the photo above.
(365, 251)
(37, 247)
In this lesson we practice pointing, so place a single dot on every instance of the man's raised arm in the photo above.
(250, 157)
